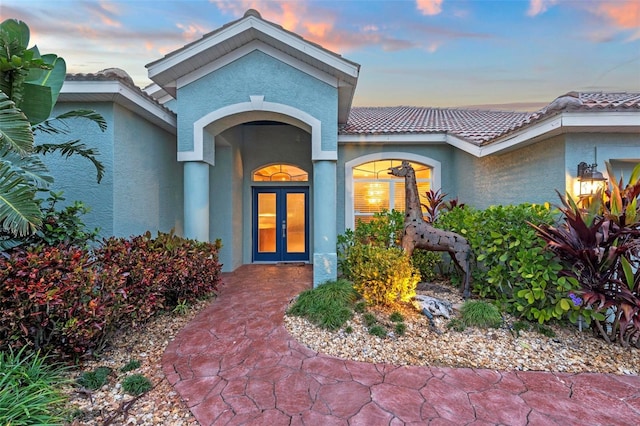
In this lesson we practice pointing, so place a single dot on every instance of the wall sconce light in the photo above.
(590, 179)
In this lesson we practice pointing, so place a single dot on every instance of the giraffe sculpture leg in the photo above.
(420, 234)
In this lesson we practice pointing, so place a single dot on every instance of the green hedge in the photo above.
(511, 265)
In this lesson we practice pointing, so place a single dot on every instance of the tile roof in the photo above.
(477, 126)
(115, 74)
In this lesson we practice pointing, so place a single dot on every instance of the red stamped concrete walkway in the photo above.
(235, 364)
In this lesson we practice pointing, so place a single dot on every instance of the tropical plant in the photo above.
(29, 87)
(599, 248)
(435, 203)
(30, 389)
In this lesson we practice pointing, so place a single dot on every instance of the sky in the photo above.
(499, 54)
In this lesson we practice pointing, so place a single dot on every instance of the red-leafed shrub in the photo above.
(69, 300)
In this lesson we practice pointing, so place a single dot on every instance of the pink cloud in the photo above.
(191, 32)
(623, 15)
(429, 7)
(536, 7)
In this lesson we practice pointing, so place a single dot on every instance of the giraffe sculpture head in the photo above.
(401, 170)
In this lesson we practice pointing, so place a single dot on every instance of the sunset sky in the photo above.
(438, 53)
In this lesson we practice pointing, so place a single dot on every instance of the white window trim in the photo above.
(436, 171)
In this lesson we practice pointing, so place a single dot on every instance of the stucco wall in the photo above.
(530, 174)
(142, 186)
(257, 74)
(622, 148)
(76, 176)
(147, 179)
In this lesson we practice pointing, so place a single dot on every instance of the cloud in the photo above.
(622, 15)
(107, 13)
(429, 7)
(536, 7)
(191, 32)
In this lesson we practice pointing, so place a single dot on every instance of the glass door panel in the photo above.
(266, 222)
(296, 226)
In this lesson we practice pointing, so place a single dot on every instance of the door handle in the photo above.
(284, 229)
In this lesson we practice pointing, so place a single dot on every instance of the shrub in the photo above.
(400, 328)
(385, 231)
(426, 262)
(136, 384)
(512, 266)
(95, 379)
(599, 247)
(328, 306)
(383, 275)
(69, 300)
(478, 313)
(64, 226)
(29, 389)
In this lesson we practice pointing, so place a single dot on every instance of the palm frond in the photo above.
(30, 167)
(75, 147)
(15, 130)
(58, 125)
(20, 213)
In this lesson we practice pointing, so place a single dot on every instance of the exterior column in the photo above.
(196, 200)
(325, 258)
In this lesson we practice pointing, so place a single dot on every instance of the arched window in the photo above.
(374, 189)
(280, 173)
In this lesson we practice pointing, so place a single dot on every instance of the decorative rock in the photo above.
(434, 306)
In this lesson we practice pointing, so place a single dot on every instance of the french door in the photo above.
(280, 224)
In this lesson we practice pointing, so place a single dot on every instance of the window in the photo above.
(374, 189)
(280, 173)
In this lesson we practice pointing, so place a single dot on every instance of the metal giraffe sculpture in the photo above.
(420, 234)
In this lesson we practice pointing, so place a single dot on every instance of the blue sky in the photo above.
(442, 53)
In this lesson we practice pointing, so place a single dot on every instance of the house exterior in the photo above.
(249, 135)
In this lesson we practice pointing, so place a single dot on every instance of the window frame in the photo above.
(350, 181)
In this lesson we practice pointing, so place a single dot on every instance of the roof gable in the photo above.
(175, 67)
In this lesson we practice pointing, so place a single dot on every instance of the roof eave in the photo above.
(115, 91)
(565, 122)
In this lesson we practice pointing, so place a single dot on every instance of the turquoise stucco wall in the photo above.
(257, 74)
(622, 148)
(147, 178)
(142, 186)
(76, 176)
(529, 174)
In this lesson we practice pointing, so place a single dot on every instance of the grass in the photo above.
(95, 379)
(396, 317)
(130, 366)
(369, 319)
(29, 390)
(328, 306)
(477, 313)
(378, 330)
(136, 384)
(400, 328)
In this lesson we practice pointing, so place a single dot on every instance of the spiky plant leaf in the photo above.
(30, 167)
(15, 130)
(20, 213)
